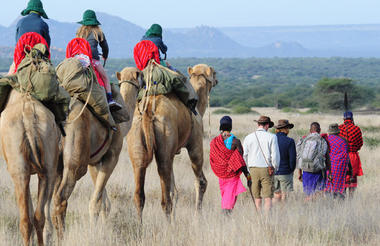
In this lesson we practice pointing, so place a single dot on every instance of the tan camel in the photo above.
(88, 144)
(30, 145)
(163, 133)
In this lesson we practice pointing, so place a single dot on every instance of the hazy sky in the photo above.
(177, 13)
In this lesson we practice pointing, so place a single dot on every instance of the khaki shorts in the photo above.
(262, 183)
(283, 183)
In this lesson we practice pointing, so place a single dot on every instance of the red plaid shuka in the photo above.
(143, 52)
(81, 46)
(339, 164)
(224, 163)
(27, 39)
(353, 135)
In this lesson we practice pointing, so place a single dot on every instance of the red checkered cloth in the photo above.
(27, 41)
(79, 46)
(352, 134)
(224, 163)
(339, 164)
(143, 52)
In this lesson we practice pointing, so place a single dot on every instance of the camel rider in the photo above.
(154, 34)
(91, 31)
(32, 22)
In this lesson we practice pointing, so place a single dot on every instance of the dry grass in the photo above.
(325, 222)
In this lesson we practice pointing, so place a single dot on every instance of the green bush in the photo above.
(221, 111)
(312, 111)
(241, 109)
(371, 142)
(290, 110)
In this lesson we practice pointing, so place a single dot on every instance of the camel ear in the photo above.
(190, 70)
(135, 75)
(209, 71)
(118, 76)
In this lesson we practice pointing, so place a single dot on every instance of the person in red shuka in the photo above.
(353, 135)
(226, 160)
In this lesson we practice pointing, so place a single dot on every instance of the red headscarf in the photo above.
(81, 46)
(78, 46)
(143, 52)
(28, 39)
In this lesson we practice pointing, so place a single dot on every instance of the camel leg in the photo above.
(48, 229)
(173, 195)
(139, 171)
(106, 203)
(195, 150)
(61, 198)
(165, 170)
(39, 214)
(24, 202)
(105, 170)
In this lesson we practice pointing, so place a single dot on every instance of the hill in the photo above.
(205, 41)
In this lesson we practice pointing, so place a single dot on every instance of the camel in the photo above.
(163, 132)
(89, 144)
(30, 145)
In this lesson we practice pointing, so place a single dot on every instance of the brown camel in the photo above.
(162, 130)
(88, 144)
(30, 145)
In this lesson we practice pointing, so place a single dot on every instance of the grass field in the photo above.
(354, 221)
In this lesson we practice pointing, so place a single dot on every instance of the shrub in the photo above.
(371, 142)
(241, 109)
(221, 111)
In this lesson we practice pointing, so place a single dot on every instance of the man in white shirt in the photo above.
(262, 156)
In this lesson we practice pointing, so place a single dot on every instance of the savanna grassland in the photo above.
(354, 221)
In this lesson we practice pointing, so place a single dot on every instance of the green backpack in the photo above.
(36, 74)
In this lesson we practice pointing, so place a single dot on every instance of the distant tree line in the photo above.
(317, 83)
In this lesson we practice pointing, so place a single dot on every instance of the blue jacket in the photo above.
(32, 23)
(287, 148)
(158, 42)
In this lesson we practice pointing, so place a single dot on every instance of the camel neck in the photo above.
(202, 92)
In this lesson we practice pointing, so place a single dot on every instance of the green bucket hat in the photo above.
(89, 18)
(154, 31)
(35, 5)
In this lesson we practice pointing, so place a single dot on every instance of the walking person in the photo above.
(353, 135)
(91, 31)
(262, 155)
(339, 162)
(227, 163)
(313, 161)
(283, 178)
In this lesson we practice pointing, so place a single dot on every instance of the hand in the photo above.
(329, 177)
(300, 177)
(249, 180)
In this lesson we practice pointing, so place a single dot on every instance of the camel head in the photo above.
(205, 71)
(131, 76)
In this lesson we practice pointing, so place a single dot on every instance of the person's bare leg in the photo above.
(267, 204)
(258, 202)
(284, 195)
(277, 197)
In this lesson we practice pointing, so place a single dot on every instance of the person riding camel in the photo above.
(32, 23)
(91, 31)
(154, 34)
(147, 51)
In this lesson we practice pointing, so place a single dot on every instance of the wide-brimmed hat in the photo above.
(89, 18)
(284, 124)
(333, 129)
(155, 30)
(35, 5)
(265, 120)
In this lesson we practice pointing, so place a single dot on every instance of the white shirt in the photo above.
(252, 154)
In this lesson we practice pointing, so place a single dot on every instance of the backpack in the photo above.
(36, 74)
(310, 154)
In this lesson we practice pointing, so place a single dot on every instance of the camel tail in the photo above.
(32, 145)
(148, 133)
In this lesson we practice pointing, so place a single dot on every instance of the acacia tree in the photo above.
(329, 93)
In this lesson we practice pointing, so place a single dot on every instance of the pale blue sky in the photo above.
(177, 13)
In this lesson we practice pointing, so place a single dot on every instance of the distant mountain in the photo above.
(204, 41)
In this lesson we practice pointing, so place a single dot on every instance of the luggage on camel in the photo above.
(81, 83)
(310, 156)
(161, 81)
(36, 76)
(147, 59)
